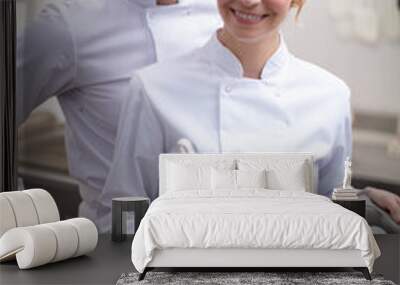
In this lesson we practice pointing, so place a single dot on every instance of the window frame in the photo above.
(8, 139)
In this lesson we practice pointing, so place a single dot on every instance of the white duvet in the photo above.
(250, 219)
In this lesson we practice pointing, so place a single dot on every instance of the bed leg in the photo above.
(143, 274)
(364, 271)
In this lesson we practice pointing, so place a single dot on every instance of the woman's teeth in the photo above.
(249, 17)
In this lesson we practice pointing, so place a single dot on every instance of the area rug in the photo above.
(244, 278)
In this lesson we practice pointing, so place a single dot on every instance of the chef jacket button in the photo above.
(228, 89)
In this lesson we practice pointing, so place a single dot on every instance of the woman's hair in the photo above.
(299, 4)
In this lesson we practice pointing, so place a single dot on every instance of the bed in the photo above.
(247, 211)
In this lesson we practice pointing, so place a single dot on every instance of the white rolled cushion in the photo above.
(33, 246)
(87, 235)
(7, 218)
(251, 178)
(40, 244)
(45, 205)
(223, 179)
(67, 240)
(23, 208)
(188, 177)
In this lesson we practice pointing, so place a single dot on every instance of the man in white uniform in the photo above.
(84, 52)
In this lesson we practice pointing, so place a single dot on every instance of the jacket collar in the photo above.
(219, 55)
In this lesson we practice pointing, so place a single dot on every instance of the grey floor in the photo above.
(103, 266)
(110, 260)
(389, 262)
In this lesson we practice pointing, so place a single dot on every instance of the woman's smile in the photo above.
(253, 20)
(247, 18)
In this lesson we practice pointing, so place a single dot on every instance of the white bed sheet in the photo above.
(251, 218)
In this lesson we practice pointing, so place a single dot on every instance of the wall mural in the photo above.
(368, 21)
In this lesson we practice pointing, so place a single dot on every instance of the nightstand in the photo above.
(127, 212)
(357, 206)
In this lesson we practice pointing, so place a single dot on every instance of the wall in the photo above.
(371, 71)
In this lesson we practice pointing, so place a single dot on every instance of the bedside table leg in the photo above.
(143, 274)
(364, 271)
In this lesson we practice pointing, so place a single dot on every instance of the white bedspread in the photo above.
(250, 219)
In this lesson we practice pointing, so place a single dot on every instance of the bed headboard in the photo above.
(234, 158)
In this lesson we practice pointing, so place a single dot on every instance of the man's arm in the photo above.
(386, 200)
(46, 60)
(134, 170)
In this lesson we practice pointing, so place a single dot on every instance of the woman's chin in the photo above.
(250, 38)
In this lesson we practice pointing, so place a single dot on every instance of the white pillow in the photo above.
(226, 179)
(293, 179)
(282, 174)
(188, 177)
(223, 179)
(251, 178)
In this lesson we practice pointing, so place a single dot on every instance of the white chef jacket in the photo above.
(84, 51)
(294, 107)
